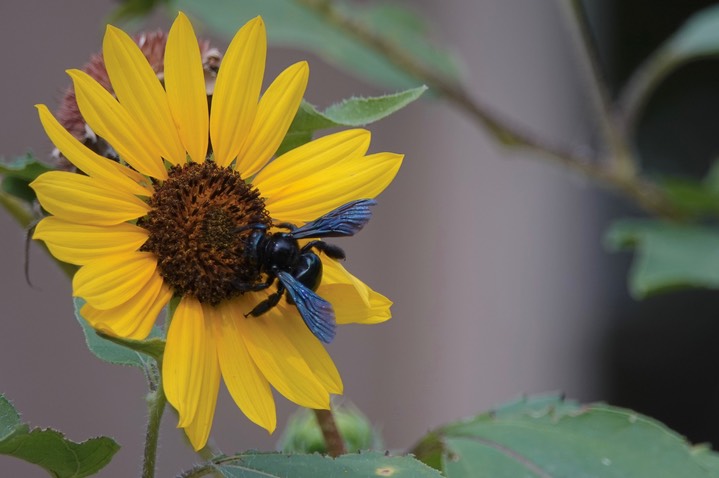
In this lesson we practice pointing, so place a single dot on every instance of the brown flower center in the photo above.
(193, 230)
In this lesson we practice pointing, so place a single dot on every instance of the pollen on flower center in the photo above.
(193, 227)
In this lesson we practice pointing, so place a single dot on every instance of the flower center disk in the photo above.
(193, 230)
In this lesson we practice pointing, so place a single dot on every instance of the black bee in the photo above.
(298, 270)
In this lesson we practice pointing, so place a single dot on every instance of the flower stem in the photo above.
(333, 439)
(156, 406)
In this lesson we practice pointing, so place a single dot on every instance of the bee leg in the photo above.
(286, 225)
(252, 227)
(332, 251)
(268, 303)
(252, 287)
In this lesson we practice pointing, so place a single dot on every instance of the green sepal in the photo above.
(351, 112)
(357, 465)
(547, 436)
(48, 448)
(668, 256)
(135, 353)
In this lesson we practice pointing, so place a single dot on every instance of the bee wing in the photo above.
(315, 311)
(346, 220)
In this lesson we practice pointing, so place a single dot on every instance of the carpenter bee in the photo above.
(298, 269)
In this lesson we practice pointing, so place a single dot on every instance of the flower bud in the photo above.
(303, 434)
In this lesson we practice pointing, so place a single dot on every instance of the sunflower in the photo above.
(163, 222)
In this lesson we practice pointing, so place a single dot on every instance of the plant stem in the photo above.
(643, 192)
(156, 405)
(644, 81)
(17, 209)
(333, 438)
(198, 471)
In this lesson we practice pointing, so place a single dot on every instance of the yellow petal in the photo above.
(237, 89)
(112, 281)
(352, 300)
(276, 357)
(276, 111)
(183, 364)
(80, 199)
(311, 349)
(110, 119)
(322, 191)
(185, 85)
(140, 92)
(133, 319)
(297, 164)
(248, 387)
(199, 430)
(82, 243)
(110, 173)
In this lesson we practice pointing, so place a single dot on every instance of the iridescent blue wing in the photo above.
(346, 220)
(315, 311)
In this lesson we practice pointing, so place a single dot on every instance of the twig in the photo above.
(644, 81)
(644, 193)
(579, 28)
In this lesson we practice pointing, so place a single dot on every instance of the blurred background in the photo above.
(493, 260)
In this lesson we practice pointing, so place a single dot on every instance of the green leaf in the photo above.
(293, 25)
(49, 449)
(350, 112)
(135, 353)
(9, 418)
(668, 256)
(18, 173)
(23, 167)
(711, 180)
(293, 139)
(154, 347)
(360, 465)
(698, 37)
(693, 198)
(708, 459)
(18, 188)
(547, 437)
(363, 111)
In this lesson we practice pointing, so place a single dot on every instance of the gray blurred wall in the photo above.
(492, 259)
